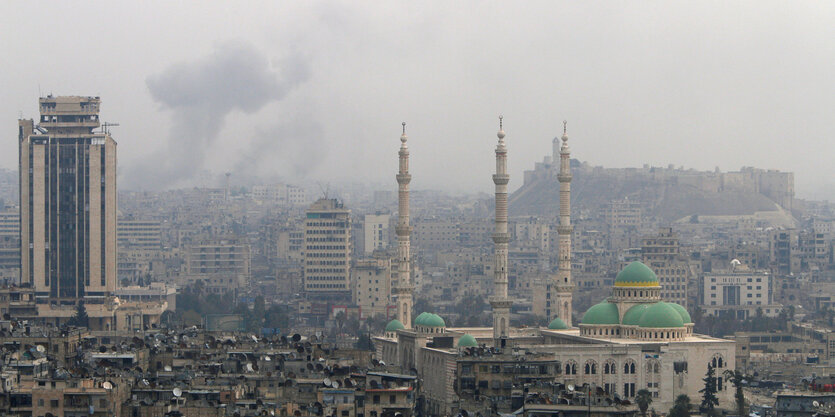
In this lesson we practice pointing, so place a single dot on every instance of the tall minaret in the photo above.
(563, 286)
(499, 301)
(403, 230)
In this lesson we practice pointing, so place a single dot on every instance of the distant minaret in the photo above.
(499, 302)
(563, 286)
(404, 286)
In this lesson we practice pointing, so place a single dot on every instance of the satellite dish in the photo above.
(40, 348)
(177, 392)
(335, 384)
(382, 363)
(167, 368)
(107, 385)
(248, 367)
(327, 382)
(816, 404)
(254, 338)
(570, 387)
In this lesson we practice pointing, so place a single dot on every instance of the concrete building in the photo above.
(139, 234)
(738, 292)
(327, 249)
(67, 201)
(371, 286)
(222, 264)
(375, 228)
(10, 246)
(661, 253)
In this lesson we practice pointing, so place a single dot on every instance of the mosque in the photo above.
(630, 341)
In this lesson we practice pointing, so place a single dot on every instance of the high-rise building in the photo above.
(10, 246)
(327, 249)
(67, 201)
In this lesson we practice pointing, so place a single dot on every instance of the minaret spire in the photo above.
(499, 301)
(563, 285)
(403, 230)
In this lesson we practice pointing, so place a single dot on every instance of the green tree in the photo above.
(643, 399)
(80, 319)
(709, 399)
(737, 378)
(681, 407)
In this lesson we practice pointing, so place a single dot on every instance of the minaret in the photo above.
(403, 230)
(563, 286)
(499, 301)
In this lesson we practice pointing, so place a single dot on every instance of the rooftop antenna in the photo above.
(324, 189)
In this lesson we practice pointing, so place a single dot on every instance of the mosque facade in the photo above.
(630, 341)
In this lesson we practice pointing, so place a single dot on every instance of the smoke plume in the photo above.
(200, 95)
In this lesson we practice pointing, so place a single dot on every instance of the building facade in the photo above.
(327, 249)
(67, 201)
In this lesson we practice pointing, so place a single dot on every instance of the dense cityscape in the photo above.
(325, 209)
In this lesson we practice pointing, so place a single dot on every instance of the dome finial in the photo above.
(565, 130)
(403, 137)
(501, 128)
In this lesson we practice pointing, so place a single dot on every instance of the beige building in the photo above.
(661, 253)
(327, 248)
(10, 246)
(376, 231)
(371, 286)
(139, 234)
(222, 264)
(738, 292)
(67, 201)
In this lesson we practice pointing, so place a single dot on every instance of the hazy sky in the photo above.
(316, 91)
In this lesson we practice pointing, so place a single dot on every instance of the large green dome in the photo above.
(636, 274)
(603, 313)
(394, 326)
(429, 320)
(685, 316)
(467, 340)
(661, 315)
(557, 324)
(633, 315)
(421, 318)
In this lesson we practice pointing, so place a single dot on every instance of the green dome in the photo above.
(685, 316)
(603, 313)
(434, 320)
(633, 316)
(467, 340)
(394, 326)
(557, 324)
(421, 318)
(661, 315)
(636, 274)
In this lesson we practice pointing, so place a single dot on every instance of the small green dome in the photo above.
(421, 318)
(633, 316)
(467, 340)
(557, 324)
(394, 326)
(661, 315)
(685, 316)
(636, 274)
(434, 320)
(603, 313)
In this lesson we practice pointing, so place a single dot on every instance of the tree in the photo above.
(681, 407)
(738, 379)
(80, 319)
(709, 399)
(643, 399)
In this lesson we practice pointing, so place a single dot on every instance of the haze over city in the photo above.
(315, 91)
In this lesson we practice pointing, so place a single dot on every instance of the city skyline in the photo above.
(730, 85)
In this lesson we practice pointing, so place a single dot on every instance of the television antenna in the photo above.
(107, 125)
